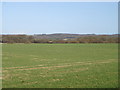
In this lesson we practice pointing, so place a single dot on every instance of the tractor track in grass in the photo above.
(58, 66)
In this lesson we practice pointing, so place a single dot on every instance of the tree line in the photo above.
(85, 39)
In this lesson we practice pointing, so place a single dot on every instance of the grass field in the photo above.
(60, 65)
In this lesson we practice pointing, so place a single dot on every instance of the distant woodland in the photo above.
(60, 38)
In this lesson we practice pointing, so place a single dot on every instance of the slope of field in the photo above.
(60, 65)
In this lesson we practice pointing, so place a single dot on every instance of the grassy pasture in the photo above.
(60, 65)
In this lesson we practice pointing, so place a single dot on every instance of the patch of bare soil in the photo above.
(54, 80)
(0, 77)
(96, 62)
(108, 61)
(20, 67)
(44, 67)
(6, 76)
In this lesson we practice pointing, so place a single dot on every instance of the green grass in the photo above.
(60, 65)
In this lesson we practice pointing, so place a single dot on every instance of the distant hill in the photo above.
(59, 36)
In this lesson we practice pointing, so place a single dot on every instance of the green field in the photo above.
(60, 65)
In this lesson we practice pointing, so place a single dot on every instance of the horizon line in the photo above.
(59, 33)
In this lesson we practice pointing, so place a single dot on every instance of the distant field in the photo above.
(60, 65)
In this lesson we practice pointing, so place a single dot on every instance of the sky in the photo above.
(59, 17)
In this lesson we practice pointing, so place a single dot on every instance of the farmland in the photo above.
(60, 65)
